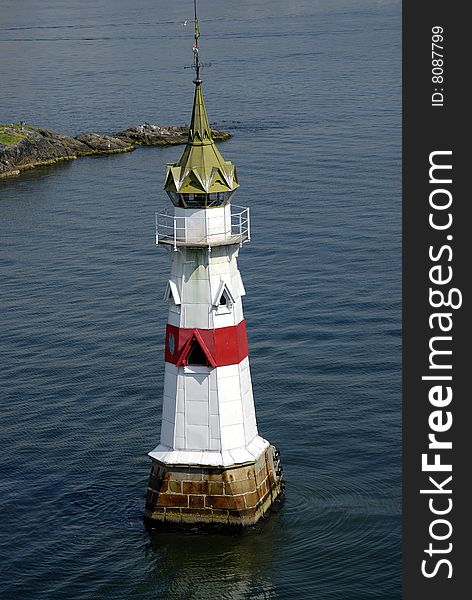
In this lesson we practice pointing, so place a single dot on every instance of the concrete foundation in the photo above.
(216, 496)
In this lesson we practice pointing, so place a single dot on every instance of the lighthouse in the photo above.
(211, 466)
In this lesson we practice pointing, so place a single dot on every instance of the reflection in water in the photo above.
(227, 566)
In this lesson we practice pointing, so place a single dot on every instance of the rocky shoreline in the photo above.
(24, 147)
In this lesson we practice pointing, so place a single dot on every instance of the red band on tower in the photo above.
(222, 346)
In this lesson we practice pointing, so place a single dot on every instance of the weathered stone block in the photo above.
(251, 473)
(196, 501)
(237, 474)
(216, 488)
(187, 475)
(163, 486)
(264, 487)
(228, 502)
(195, 487)
(240, 487)
(173, 500)
(175, 487)
(252, 499)
(214, 475)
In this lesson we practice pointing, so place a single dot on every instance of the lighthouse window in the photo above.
(200, 200)
(196, 356)
(218, 199)
(224, 305)
(224, 299)
(175, 197)
(171, 343)
(194, 200)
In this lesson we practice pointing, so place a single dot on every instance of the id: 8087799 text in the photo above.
(437, 65)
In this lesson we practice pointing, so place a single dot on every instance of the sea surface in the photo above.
(310, 90)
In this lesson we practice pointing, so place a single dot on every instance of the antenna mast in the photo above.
(196, 57)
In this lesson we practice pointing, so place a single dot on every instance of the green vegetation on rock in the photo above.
(8, 135)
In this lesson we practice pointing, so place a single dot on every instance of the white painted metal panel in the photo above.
(174, 318)
(223, 319)
(214, 405)
(168, 408)
(231, 413)
(238, 312)
(179, 443)
(196, 413)
(232, 436)
(170, 381)
(196, 291)
(227, 371)
(167, 433)
(196, 387)
(198, 437)
(180, 426)
(197, 315)
(242, 289)
(215, 444)
(213, 380)
(214, 427)
(228, 389)
(180, 397)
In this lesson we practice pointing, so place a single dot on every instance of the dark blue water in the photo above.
(310, 90)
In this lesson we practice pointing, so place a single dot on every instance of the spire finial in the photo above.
(200, 169)
(196, 57)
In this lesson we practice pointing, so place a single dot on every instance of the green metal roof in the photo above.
(201, 169)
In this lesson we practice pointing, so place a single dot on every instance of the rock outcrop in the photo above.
(156, 135)
(25, 147)
(103, 144)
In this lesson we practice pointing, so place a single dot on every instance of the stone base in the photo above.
(234, 496)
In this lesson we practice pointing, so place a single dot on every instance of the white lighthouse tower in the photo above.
(211, 466)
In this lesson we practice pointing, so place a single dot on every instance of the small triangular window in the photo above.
(224, 298)
(195, 353)
(196, 356)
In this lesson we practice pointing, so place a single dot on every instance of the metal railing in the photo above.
(200, 231)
